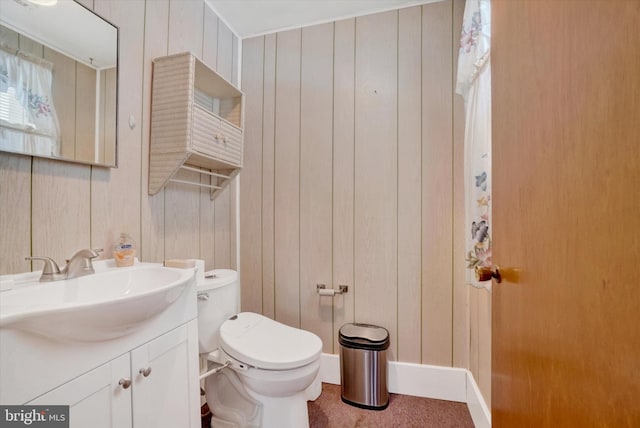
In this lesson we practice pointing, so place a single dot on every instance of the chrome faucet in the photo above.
(79, 265)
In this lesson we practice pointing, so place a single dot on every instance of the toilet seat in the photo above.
(266, 344)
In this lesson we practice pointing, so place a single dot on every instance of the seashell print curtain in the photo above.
(474, 84)
(28, 121)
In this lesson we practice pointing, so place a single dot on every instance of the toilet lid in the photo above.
(267, 344)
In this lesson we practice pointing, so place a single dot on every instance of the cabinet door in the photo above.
(168, 396)
(95, 399)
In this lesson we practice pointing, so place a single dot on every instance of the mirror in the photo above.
(58, 81)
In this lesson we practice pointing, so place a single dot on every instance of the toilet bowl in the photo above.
(274, 368)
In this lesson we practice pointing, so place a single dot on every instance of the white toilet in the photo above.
(273, 367)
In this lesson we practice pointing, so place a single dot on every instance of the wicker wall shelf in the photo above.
(196, 125)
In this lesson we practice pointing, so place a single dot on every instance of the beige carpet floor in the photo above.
(404, 411)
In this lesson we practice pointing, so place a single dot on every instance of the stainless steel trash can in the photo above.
(363, 365)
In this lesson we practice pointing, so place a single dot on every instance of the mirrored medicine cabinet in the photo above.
(58, 82)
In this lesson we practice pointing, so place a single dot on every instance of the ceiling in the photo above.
(248, 18)
(68, 28)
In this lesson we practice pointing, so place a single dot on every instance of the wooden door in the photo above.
(566, 204)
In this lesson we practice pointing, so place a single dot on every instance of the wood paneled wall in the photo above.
(353, 175)
(54, 208)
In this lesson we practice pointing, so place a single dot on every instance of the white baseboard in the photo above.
(475, 403)
(421, 380)
(330, 368)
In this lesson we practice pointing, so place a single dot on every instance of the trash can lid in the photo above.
(364, 336)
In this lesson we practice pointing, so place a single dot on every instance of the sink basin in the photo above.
(111, 303)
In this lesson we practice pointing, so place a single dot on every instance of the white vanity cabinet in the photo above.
(155, 385)
(130, 360)
(95, 399)
(169, 396)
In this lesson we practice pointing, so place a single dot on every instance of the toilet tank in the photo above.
(218, 300)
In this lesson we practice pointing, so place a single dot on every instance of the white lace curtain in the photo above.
(28, 121)
(474, 84)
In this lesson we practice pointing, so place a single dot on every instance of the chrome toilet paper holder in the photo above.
(324, 291)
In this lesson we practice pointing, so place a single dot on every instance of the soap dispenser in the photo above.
(125, 250)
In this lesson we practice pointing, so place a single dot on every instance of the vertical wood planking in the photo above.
(111, 110)
(60, 219)
(208, 221)
(11, 38)
(235, 63)
(182, 218)
(208, 230)
(64, 88)
(376, 171)
(251, 177)
(182, 202)
(225, 51)
(234, 184)
(186, 18)
(460, 288)
(343, 162)
(437, 199)
(60, 204)
(30, 46)
(473, 365)
(210, 38)
(15, 216)
(223, 233)
(152, 241)
(116, 193)
(101, 202)
(268, 176)
(258, 258)
(287, 179)
(484, 346)
(224, 65)
(234, 188)
(409, 183)
(99, 156)
(316, 140)
(85, 113)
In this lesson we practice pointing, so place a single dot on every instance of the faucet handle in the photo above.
(87, 253)
(50, 266)
(91, 253)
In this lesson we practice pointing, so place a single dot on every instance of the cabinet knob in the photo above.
(145, 372)
(125, 382)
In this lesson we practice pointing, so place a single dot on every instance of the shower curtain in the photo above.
(474, 84)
